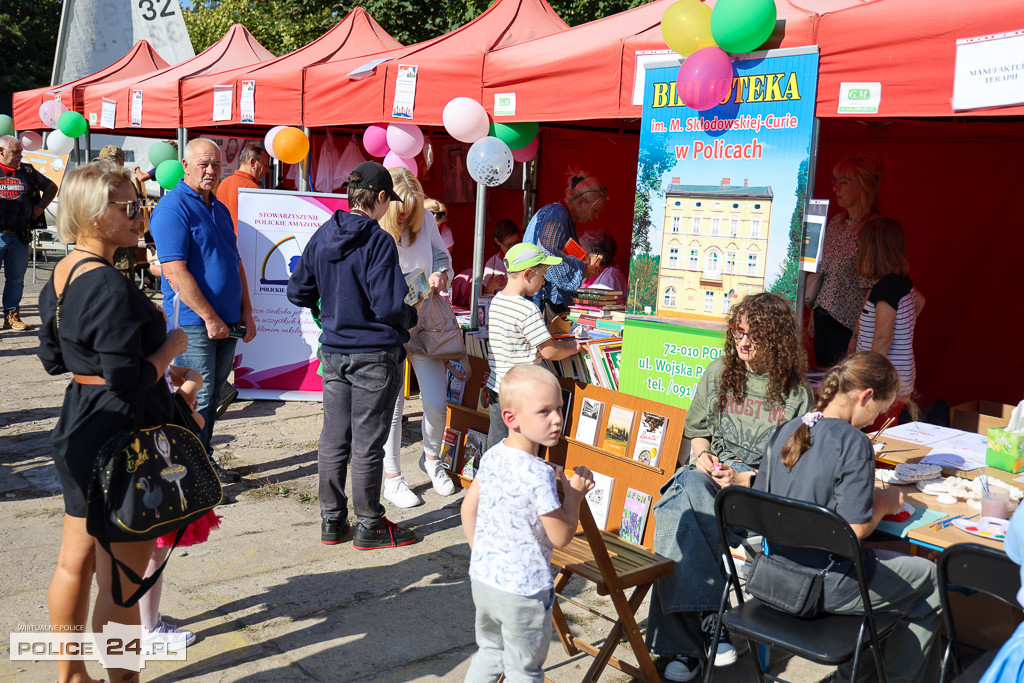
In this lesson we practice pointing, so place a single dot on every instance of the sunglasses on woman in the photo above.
(131, 207)
(439, 214)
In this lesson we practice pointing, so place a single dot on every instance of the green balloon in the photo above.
(6, 125)
(169, 172)
(740, 26)
(72, 124)
(515, 135)
(161, 152)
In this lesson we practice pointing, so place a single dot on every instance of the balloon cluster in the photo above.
(286, 143)
(398, 143)
(164, 157)
(704, 36)
(495, 147)
(66, 126)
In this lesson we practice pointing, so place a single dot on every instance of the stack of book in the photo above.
(601, 359)
(597, 303)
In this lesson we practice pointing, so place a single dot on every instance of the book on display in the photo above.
(566, 407)
(589, 420)
(650, 436)
(456, 386)
(476, 444)
(450, 449)
(619, 430)
(634, 516)
(599, 498)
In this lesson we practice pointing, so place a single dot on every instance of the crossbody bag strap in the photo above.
(71, 274)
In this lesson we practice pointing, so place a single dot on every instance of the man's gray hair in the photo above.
(192, 148)
(7, 140)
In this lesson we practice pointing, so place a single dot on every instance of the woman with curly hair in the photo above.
(756, 385)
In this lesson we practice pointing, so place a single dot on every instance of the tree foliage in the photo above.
(285, 25)
(789, 272)
(28, 41)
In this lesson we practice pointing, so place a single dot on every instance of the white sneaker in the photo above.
(438, 475)
(682, 669)
(171, 639)
(398, 493)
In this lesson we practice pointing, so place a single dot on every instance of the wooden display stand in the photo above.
(598, 555)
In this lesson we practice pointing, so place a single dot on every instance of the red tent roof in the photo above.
(140, 59)
(591, 67)
(279, 81)
(160, 99)
(909, 47)
(449, 66)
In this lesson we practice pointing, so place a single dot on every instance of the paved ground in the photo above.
(268, 601)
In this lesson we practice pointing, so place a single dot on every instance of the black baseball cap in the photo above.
(374, 177)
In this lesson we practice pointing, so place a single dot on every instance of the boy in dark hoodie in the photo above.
(349, 271)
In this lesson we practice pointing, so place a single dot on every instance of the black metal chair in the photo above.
(978, 568)
(829, 639)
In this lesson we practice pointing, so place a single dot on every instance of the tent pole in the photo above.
(478, 254)
(529, 190)
(304, 173)
(182, 142)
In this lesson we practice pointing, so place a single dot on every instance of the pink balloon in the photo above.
(392, 160)
(31, 141)
(524, 154)
(50, 111)
(268, 140)
(705, 78)
(405, 139)
(375, 140)
(465, 119)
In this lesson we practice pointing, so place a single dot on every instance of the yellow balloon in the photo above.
(686, 27)
(291, 145)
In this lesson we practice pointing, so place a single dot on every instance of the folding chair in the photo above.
(615, 566)
(829, 639)
(980, 568)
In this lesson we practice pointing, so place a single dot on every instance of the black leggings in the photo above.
(831, 339)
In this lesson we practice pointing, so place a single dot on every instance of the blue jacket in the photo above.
(350, 266)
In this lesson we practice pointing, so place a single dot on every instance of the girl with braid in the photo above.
(742, 398)
(824, 458)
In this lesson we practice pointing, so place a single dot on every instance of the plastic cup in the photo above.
(994, 503)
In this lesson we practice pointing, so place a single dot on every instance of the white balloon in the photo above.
(268, 141)
(405, 139)
(465, 119)
(489, 161)
(58, 143)
(31, 141)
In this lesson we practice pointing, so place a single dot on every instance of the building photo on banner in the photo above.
(273, 229)
(701, 246)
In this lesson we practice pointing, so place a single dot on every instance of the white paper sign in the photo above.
(405, 91)
(247, 102)
(136, 108)
(223, 98)
(989, 71)
(505, 104)
(859, 98)
(108, 113)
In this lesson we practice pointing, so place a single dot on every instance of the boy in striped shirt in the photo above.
(516, 331)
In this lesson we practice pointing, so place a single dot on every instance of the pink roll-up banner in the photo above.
(273, 229)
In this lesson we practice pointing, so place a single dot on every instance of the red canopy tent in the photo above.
(161, 90)
(449, 65)
(141, 59)
(279, 82)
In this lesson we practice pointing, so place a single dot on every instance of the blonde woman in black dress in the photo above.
(112, 338)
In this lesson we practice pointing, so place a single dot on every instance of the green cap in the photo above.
(526, 255)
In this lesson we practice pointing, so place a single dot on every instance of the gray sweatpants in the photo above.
(513, 633)
(905, 585)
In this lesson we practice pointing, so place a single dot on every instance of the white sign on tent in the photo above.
(989, 71)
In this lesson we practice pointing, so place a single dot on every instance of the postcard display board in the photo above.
(721, 197)
(273, 229)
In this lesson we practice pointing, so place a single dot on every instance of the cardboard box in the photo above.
(1005, 450)
(979, 416)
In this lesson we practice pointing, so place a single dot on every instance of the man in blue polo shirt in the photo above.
(195, 242)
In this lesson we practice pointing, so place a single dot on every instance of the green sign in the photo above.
(663, 362)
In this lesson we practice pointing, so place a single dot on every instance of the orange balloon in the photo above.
(291, 145)
(686, 27)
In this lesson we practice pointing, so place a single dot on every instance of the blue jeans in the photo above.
(213, 359)
(360, 390)
(687, 534)
(14, 257)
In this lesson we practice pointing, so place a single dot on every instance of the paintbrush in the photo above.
(884, 426)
